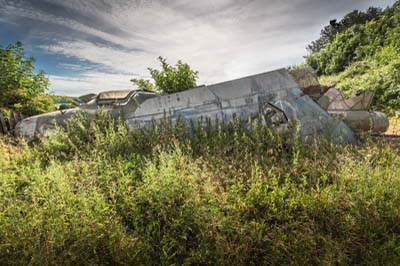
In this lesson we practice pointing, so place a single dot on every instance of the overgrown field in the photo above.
(172, 196)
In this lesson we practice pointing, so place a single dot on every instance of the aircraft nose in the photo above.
(381, 122)
(26, 128)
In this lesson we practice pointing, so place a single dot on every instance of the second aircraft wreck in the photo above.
(278, 96)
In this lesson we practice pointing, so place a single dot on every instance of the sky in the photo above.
(87, 46)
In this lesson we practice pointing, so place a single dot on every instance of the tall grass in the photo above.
(206, 195)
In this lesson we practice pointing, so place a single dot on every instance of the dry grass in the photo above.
(171, 196)
(394, 126)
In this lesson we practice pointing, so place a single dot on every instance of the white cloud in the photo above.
(89, 82)
(221, 48)
(223, 39)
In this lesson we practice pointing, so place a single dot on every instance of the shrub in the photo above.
(170, 79)
(21, 89)
(196, 195)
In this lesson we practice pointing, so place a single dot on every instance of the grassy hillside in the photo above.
(365, 56)
(169, 196)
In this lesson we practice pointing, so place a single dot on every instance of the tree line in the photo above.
(362, 51)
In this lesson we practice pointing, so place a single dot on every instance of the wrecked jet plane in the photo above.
(276, 95)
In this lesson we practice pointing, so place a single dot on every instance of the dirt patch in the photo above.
(394, 127)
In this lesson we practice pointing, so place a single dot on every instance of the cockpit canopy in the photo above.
(114, 97)
(119, 97)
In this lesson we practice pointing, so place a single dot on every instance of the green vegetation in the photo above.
(363, 54)
(170, 79)
(329, 32)
(64, 102)
(21, 89)
(175, 195)
(206, 194)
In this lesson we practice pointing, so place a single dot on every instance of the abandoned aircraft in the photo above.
(278, 96)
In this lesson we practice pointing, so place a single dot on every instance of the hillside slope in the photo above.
(365, 56)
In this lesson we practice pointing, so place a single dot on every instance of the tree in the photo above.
(170, 79)
(329, 32)
(21, 89)
(359, 36)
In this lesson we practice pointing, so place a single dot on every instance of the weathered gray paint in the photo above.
(269, 93)
(245, 98)
(363, 121)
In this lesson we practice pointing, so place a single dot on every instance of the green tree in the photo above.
(170, 79)
(21, 89)
(359, 41)
(329, 32)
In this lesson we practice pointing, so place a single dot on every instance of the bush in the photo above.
(171, 79)
(21, 89)
(359, 42)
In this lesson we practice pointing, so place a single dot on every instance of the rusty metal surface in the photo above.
(363, 121)
(305, 77)
(335, 100)
(354, 111)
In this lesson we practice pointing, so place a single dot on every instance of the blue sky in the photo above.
(93, 45)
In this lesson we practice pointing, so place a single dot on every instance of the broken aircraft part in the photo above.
(363, 121)
(335, 100)
(354, 111)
